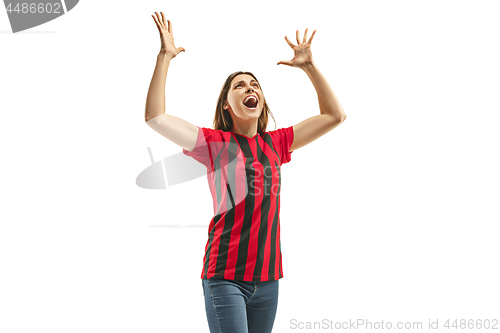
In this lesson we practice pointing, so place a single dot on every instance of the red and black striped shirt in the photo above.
(244, 176)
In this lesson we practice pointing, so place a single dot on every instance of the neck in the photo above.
(249, 130)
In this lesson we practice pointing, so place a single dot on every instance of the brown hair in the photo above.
(223, 120)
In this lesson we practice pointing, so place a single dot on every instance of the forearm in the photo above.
(328, 102)
(155, 102)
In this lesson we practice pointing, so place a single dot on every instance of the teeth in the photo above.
(248, 98)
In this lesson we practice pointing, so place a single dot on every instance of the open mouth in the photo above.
(251, 102)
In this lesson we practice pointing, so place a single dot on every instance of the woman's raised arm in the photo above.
(173, 128)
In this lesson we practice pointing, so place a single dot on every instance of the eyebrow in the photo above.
(244, 81)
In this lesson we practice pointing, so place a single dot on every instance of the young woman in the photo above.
(242, 262)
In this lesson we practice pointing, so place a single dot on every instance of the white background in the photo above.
(391, 216)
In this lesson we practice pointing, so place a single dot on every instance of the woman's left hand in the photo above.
(303, 55)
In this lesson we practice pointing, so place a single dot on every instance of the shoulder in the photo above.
(281, 141)
(211, 133)
(280, 133)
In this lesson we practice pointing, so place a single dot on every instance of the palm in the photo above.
(167, 43)
(302, 55)
(302, 52)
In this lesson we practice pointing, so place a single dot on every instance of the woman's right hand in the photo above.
(166, 35)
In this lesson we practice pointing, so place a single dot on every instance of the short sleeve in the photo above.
(282, 141)
(201, 151)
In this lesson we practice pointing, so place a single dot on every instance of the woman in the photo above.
(242, 262)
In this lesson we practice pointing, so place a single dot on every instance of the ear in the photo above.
(225, 106)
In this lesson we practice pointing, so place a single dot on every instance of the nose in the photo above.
(250, 89)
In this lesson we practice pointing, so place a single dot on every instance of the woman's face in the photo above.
(244, 97)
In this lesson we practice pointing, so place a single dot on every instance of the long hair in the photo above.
(223, 120)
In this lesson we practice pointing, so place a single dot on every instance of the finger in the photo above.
(289, 43)
(310, 39)
(160, 24)
(163, 20)
(170, 28)
(305, 37)
(298, 41)
(285, 62)
(181, 49)
(157, 23)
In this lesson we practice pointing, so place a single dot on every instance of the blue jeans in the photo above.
(240, 306)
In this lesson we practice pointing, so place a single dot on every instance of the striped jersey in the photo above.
(244, 177)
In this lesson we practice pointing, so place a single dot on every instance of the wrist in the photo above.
(309, 66)
(165, 55)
